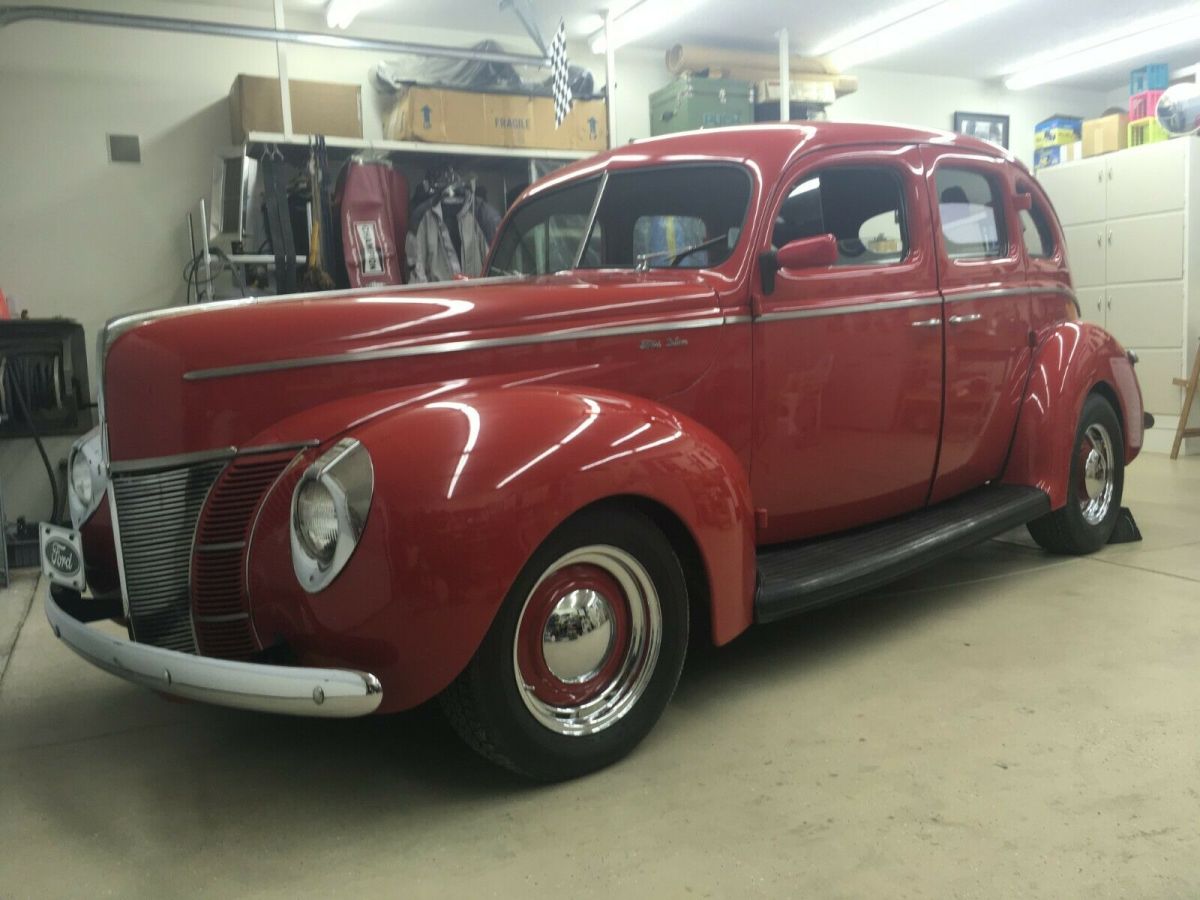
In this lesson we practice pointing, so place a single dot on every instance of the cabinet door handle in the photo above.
(1100, 305)
(1100, 176)
(1100, 240)
(1108, 302)
(927, 323)
(963, 320)
(1110, 237)
(1110, 174)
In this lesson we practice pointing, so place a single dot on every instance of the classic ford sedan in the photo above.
(708, 380)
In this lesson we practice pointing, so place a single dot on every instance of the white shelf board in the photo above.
(381, 146)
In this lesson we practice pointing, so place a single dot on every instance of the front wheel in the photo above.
(1097, 481)
(585, 651)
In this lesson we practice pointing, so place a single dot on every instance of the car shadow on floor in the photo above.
(412, 764)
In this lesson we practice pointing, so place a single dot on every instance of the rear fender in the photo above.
(1077, 359)
(467, 486)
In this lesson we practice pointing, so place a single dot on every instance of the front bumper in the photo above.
(330, 693)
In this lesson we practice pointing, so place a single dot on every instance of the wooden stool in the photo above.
(1189, 395)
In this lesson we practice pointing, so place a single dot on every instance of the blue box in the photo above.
(1154, 77)
(1058, 129)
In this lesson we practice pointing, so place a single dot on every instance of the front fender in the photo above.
(1076, 359)
(467, 486)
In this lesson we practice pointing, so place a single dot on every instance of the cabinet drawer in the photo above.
(1145, 249)
(1085, 254)
(1076, 190)
(1146, 179)
(1155, 369)
(1147, 315)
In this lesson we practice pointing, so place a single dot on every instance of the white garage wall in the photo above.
(86, 239)
(932, 101)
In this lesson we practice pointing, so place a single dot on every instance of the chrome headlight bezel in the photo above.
(87, 458)
(346, 472)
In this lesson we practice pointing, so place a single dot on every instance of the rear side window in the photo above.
(862, 207)
(1037, 234)
(971, 208)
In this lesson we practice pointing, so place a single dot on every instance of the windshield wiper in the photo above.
(677, 256)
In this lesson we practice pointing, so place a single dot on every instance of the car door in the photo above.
(987, 312)
(848, 357)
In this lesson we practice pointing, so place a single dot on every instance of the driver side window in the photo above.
(861, 206)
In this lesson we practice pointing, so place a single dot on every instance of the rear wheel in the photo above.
(1097, 481)
(584, 654)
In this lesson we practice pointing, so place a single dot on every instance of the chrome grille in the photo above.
(156, 515)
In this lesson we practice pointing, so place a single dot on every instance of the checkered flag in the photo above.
(559, 76)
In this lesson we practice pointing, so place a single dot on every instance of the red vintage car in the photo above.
(709, 380)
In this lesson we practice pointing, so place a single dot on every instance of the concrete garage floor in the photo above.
(1006, 725)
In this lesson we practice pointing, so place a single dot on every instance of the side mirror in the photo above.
(808, 253)
(1023, 201)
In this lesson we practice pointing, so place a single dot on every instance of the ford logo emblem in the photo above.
(62, 557)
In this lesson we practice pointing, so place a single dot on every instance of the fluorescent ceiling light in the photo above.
(900, 28)
(1148, 35)
(340, 13)
(637, 20)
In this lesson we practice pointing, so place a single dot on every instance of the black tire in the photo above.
(492, 713)
(1068, 530)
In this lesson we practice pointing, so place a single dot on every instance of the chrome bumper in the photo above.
(332, 693)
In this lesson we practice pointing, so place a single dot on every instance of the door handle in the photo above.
(1110, 237)
(1100, 240)
(963, 320)
(927, 323)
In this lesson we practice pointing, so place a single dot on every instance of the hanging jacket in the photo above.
(433, 250)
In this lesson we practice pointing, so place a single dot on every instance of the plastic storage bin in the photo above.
(1146, 131)
(1143, 104)
(1149, 78)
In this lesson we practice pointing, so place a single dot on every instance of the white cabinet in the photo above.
(1132, 226)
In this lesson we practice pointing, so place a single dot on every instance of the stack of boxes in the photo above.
(1146, 85)
(1057, 140)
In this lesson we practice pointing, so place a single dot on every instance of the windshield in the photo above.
(650, 217)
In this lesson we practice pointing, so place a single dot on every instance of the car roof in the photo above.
(766, 146)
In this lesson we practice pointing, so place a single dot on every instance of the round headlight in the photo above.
(81, 479)
(317, 521)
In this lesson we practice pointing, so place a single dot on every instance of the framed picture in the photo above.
(983, 125)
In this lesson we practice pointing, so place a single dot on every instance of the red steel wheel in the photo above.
(587, 640)
(585, 650)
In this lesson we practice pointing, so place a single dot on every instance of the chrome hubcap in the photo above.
(578, 638)
(587, 640)
(1097, 474)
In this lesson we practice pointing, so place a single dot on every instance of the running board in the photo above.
(793, 578)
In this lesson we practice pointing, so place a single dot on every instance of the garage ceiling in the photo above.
(987, 49)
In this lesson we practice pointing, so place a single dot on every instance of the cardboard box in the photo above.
(1057, 130)
(318, 107)
(801, 90)
(1044, 157)
(1106, 134)
(449, 116)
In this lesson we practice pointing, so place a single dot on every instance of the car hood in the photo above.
(189, 379)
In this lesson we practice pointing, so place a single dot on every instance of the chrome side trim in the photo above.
(738, 320)
(330, 693)
(280, 365)
(852, 308)
(988, 294)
